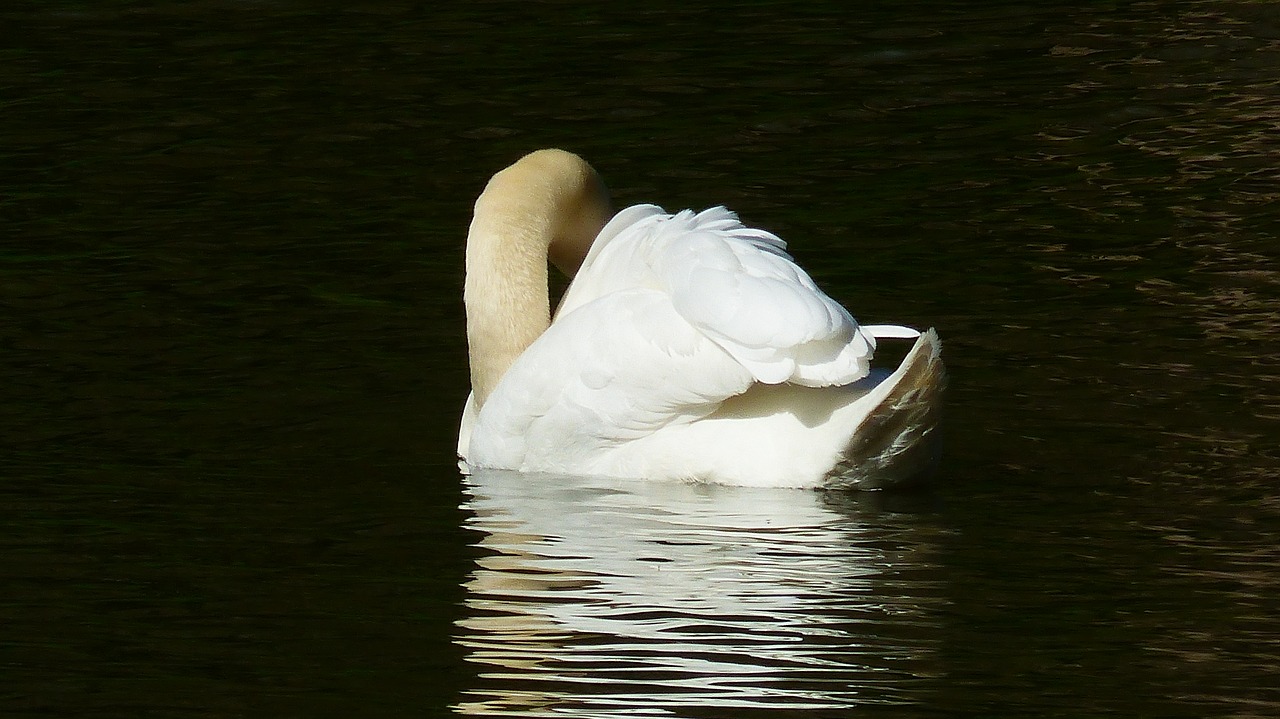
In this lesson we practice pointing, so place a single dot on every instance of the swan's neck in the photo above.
(548, 205)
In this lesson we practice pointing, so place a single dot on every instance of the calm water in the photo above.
(233, 361)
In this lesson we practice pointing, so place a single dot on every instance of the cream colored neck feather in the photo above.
(550, 204)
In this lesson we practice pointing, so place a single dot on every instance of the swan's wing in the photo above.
(735, 284)
(617, 369)
(620, 258)
(739, 287)
(630, 223)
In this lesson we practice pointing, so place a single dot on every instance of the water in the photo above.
(233, 361)
(655, 600)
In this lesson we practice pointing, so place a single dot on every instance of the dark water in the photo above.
(233, 361)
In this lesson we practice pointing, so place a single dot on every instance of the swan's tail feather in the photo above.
(898, 442)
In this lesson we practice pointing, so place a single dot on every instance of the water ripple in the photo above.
(601, 597)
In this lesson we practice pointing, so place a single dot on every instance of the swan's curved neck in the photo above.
(550, 204)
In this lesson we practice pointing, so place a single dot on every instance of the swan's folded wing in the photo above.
(734, 284)
(618, 369)
(738, 286)
(621, 258)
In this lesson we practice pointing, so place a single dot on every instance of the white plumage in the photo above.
(687, 346)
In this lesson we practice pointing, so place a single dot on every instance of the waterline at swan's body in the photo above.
(688, 346)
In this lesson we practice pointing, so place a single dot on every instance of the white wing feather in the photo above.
(734, 284)
(636, 368)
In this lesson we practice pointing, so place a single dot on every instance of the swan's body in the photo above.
(687, 347)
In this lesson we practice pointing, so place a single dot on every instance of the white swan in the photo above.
(687, 346)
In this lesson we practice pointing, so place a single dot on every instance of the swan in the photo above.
(686, 347)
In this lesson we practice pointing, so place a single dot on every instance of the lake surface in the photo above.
(233, 361)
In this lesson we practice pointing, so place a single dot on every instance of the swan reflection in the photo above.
(603, 596)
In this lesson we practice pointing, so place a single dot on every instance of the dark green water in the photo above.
(232, 360)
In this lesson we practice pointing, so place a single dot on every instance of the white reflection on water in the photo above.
(601, 597)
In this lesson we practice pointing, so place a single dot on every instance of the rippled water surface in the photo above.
(604, 596)
(233, 361)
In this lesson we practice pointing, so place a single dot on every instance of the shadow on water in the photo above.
(599, 597)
